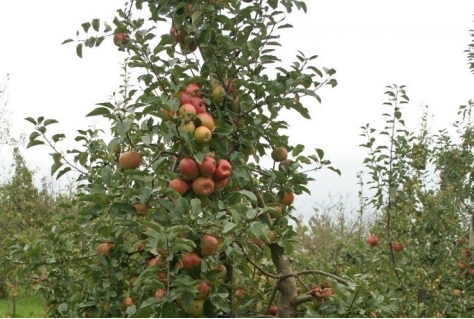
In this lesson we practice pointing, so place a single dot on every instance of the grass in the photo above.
(26, 307)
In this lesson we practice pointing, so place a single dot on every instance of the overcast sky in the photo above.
(371, 44)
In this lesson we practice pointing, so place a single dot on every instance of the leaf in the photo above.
(99, 111)
(228, 227)
(86, 26)
(298, 149)
(150, 301)
(249, 194)
(96, 24)
(34, 143)
(62, 308)
(67, 41)
(31, 120)
(79, 50)
(49, 122)
(62, 172)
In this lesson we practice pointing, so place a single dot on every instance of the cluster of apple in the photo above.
(373, 241)
(205, 177)
(466, 253)
(320, 294)
(195, 118)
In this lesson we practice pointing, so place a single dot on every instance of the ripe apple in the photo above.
(272, 235)
(471, 272)
(198, 104)
(140, 246)
(162, 277)
(396, 246)
(130, 160)
(154, 261)
(189, 168)
(208, 245)
(206, 120)
(179, 185)
(273, 310)
(223, 170)
(239, 293)
(190, 260)
(104, 248)
(286, 197)
(127, 301)
(466, 252)
(140, 209)
(178, 34)
(457, 292)
(279, 154)
(121, 39)
(221, 184)
(217, 94)
(372, 240)
(207, 166)
(188, 126)
(203, 289)
(187, 109)
(461, 265)
(203, 186)
(203, 135)
(193, 89)
(184, 98)
(159, 293)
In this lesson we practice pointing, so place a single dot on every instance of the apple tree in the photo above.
(184, 202)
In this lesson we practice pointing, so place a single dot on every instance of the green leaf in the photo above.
(298, 149)
(34, 143)
(148, 302)
(249, 194)
(31, 120)
(228, 227)
(62, 172)
(67, 41)
(96, 24)
(49, 122)
(99, 111)
(86, 26)
(79, 50)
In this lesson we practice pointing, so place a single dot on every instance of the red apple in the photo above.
(121, 39)
(140, 209)
(471, 272)
(239, 293)
(187, 109)
(223, 170)
(396, 246)
(203, 186)
(127, 301)
(203, 135)
(208, 245)
(155, 261)
(203, 289)
(159, 294)
(286, 197)
(221, 184)
(273, 310)
(193, 89)
(206, 120)
(104, 248)
(184, 98)
(461, 265)
(207, 166)
(372, 240)
(190, 260)
(189, 168)
(198, 104)
(179, 185)
(130, 160)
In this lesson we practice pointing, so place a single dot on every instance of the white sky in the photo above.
(371, 44)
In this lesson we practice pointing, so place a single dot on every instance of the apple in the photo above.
(190, 260)
(203, 289)
(188, 126)
(198, 104)
(162, 277)
(273, 310)
(206, 120)
(239, 293)
(188, 47)
(286, 197)
(203, 135)
(471, 272)
(203, 186)
(196, 309)
(140, 246)
(207, 166)
(179, 185)
(275, 210)
(327, 292)
(372, 240)
(140, 209)
(187, 109)
(466, 252)
(130, 160)
(15, 295)
(208, 245)
(217, 94)
(193, 89)
(159, 293)
(461, 265)
(284, 164)
(184, 98)
(279, 154)
(396, 246)
(272, 235)
(127, 301)
(221, 184)
(154, 261)
(104, 248)
(177, 34)
(189, 168)
(256, 241)
(167, 114)
(121, 39)
(223, 170)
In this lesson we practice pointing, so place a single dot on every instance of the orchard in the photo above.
(184, 205)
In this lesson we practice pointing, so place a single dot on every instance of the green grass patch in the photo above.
(26, 307)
